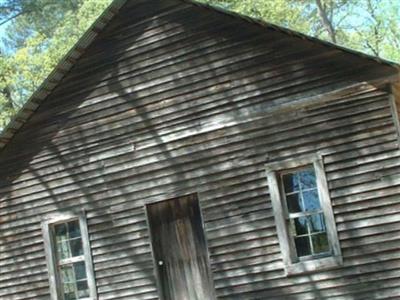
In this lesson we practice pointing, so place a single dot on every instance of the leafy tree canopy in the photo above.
(40, 32)
(370, 26)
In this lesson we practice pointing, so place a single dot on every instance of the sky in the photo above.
(2, 29)
(354, 21)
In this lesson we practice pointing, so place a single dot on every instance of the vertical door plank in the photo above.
(180, 249)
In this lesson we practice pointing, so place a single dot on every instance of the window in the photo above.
(395, 109)
(303, 213)
(68, 256)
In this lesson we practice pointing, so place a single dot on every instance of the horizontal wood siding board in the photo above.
(48, 163)
(340, 148)
(247, 76)
(110, 194)
(235, 64)
(168, 102)
(127, 150)
(236, 87)
(160, 63)
(59, 148)
(121, 175)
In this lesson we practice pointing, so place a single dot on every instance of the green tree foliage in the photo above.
(7, 105)
(40, 32)
(30, 17)
(285, 13)
(376, 30)
(370, 26)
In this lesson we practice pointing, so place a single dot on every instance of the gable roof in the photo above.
(69, 60)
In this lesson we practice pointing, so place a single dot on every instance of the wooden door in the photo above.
(180, 250)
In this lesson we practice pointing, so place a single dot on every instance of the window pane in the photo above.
(290, 183)
(74, 280)
(76, 247)
(80, 270)
(302, 246)
(63, 250)
(60, 232)
(317, 223)
(320, 243)
(83, 289)
(294, 203)
(300, 225)
(73, 229)
(311, 200)
(69, 291)
(67, 274)
(307, 179)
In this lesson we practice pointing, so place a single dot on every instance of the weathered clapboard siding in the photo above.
(395, 106)
(173, 99)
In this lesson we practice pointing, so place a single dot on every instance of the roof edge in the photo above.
(59, 72)
(68, 61)
(293, 33)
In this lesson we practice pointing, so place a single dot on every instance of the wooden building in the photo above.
(182, 152)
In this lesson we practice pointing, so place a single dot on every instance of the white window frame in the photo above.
(293, 265)
(395, 115)
(51, 257)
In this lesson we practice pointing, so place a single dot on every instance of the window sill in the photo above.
(315, 265)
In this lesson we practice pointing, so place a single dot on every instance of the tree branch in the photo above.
(325, 21)
(12, 17)
(24, 11)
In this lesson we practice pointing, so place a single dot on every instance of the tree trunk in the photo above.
(9, 104)
(325, 21)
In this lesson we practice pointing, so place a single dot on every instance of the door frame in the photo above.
(155, 263)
